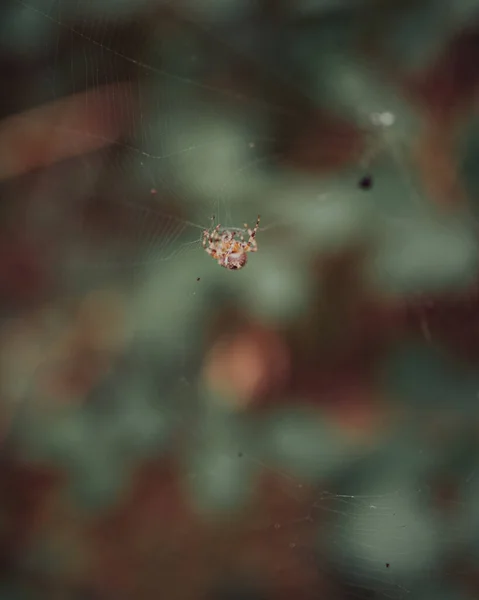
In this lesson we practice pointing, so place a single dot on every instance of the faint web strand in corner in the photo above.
(160, 72)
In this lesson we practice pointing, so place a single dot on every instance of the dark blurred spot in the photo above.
(240, 454)
(198, 278)
(387, 565)
(366, 182)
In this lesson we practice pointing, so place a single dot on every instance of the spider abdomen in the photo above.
(235, 260)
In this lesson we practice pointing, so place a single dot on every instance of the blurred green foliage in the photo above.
(170, 424)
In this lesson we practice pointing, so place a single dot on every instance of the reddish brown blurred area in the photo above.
(62, 129)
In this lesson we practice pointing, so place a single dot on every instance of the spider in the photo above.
(224, 247)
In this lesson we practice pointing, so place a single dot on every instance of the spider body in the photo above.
(230, 251)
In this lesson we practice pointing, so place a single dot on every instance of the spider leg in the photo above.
(252, 232)
(214, 233)
(214, 229)
(210, 235)
(252, 245)
(205, 240)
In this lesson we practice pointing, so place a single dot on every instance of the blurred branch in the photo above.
(63, 129)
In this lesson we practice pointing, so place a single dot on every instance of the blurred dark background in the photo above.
(304, 428)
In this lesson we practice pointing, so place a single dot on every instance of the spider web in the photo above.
(195, 142)
(187, 148)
